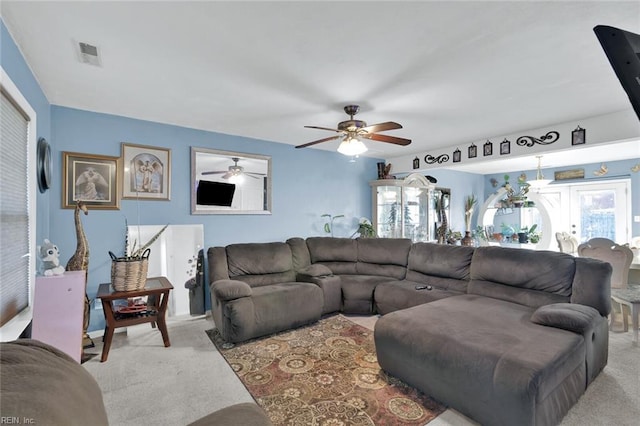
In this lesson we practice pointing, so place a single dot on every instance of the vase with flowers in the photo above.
(469, 204)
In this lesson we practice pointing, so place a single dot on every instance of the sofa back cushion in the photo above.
(529, 277)
(260, 264)
(439, 260)
(383, 256)
(338, 254)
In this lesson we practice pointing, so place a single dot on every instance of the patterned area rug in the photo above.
(325, 374)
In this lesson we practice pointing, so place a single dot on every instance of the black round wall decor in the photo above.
(43, 165)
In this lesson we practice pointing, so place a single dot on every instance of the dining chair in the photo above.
(567, 243)
(620, 258)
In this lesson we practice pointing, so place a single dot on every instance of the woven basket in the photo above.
(128, 274)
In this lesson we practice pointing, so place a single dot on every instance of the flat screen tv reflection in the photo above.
(215, 193)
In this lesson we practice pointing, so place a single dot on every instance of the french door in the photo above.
(594, 209)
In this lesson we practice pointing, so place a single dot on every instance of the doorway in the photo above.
(593, 209)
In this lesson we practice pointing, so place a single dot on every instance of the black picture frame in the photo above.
(487, 149)
(505, 147)
(456, 156)
(473, 151)
(578, 136)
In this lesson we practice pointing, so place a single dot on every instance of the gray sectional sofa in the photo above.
(505, 336)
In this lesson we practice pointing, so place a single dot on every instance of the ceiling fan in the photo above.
(353, 130)
(235, 173)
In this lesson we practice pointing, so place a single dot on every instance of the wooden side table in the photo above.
(157, 288)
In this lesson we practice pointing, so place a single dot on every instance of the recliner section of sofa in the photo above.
(254, 291)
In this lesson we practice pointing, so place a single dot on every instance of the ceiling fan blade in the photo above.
(323, 128)
(381, 127)
(254, 174)
(318, 141)
(388, 139)
(213, 173)
(227, 175)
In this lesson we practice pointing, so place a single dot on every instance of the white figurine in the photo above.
(50, 256)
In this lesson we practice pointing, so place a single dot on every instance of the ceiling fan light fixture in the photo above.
(236, 179)
(539, 181)
(352, 146)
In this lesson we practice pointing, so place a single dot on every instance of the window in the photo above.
(17, 209)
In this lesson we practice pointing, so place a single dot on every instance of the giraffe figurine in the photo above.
(442, 229)
(80, 259)
(80, 262)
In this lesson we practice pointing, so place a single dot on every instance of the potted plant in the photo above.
(534, 237)
(365, 229)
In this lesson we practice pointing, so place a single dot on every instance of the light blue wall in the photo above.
(616, 169)
(15, 66)
(306, 184)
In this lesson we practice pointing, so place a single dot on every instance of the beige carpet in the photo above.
(145, 383)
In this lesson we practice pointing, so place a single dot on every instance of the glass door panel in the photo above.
(414, 218)
(389, 208)
(589, 210)
(599, 212)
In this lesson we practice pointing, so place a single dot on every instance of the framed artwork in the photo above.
(146, 172)
(578, 136)
(487, 149)
(505, 147)
(416, 163)
(456, 156)
(90, 178)
(473, 151)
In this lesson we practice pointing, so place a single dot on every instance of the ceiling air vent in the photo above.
(89, 54)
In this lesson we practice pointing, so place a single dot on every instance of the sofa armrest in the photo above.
(226, 290)
(314, 271)
(567, 316)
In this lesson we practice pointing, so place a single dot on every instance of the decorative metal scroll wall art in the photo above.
(487, 148)
(530, 141)
(473, 151)
(578, 136)
(456, 156)
(430, 159)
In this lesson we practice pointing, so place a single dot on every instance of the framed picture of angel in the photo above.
(146, 172)
(90, 178)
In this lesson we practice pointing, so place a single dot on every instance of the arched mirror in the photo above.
(225, 182)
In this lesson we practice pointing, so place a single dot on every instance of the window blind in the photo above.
(14, 210)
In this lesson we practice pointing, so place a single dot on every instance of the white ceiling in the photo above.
(449, 72)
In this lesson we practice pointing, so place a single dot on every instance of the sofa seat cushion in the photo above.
(394, 295)
(286, 305)
(357, 292)
(485, 358)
